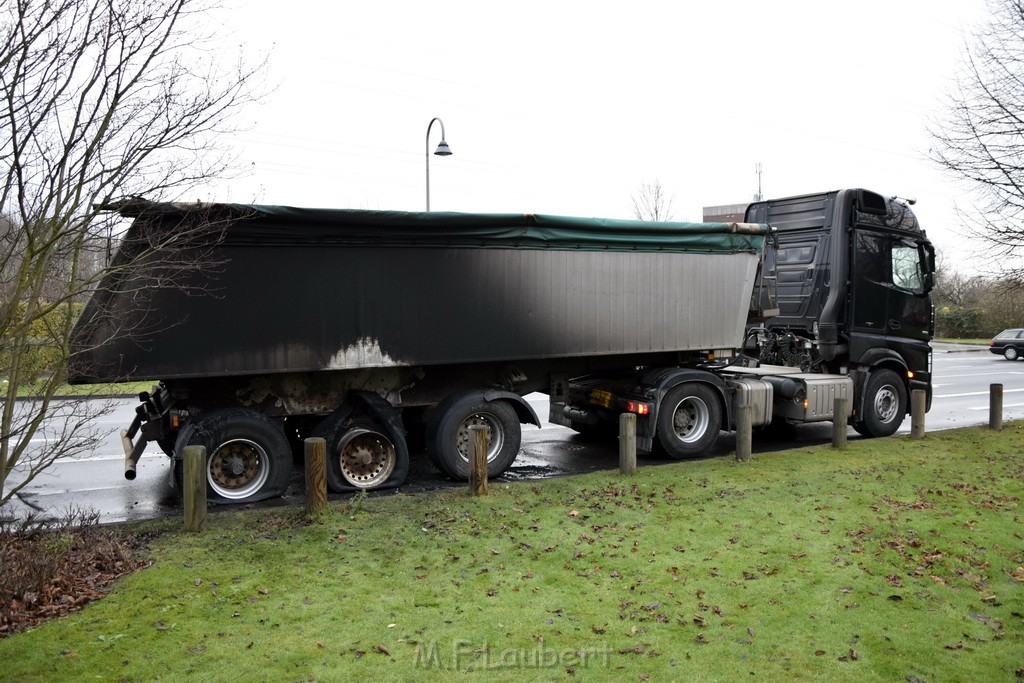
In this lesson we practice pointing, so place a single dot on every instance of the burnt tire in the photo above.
(366, 447)
(449, 441)
(359, 453)
(885, 404)
(248, 457)
(689, 420)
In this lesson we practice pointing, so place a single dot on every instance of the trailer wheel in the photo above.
(885, 404)
(449, 442)
(366, 448)
(359, 454)
(689, 420)
(247, 455)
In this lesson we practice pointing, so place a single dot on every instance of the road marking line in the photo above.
(65, 492)
(982, 374)
(102, 458)
(977, 393)
(1012, 405)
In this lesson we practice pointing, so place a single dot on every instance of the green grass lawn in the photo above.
(84, 390)
(893, 560)
(984, 342)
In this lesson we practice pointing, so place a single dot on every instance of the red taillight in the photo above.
(638, 408)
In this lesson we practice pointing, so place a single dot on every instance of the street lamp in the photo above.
(442, 151)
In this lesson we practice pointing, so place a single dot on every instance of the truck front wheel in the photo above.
(449, 439)
(247, 455)
(689, 420)
(885, 404)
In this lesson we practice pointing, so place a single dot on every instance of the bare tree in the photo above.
(650, 203)
(101, 99)
(954, 288)
(981, 140)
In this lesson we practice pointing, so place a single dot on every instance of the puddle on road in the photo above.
(529, 466)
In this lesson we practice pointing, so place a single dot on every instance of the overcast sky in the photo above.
(568, 107)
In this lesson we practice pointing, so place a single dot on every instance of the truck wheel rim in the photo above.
(886, 402)
(690, 419)
(465, 436)
(238, 469)
(366, 458)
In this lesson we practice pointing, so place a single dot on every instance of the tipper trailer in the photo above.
(373, 329)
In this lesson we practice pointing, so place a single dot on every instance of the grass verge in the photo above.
(891, 560)
(86, 390)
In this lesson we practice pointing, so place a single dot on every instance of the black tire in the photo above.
(167, 445)
(448, 435)
(689, 420)
(885, 404)
(1010, 353)
(248, 456)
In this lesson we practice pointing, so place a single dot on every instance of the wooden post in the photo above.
(995, 407)
(744, 433)
(480, 435)
(316, 474)
(840, 420)
(627, 443)
(918, 402)
(194, 488)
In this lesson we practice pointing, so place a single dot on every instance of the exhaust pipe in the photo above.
(132, 453)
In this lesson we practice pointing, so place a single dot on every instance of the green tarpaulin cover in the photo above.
(284, 225)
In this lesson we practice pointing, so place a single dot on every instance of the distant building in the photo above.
(726, 213)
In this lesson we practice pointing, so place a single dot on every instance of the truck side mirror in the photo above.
(928, 266)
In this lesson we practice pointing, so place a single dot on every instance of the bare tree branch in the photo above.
(99, 100)
(981, 139)
(651, 203)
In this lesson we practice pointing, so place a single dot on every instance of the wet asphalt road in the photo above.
(95, 481)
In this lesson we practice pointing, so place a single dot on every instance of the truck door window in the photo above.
(906, 267)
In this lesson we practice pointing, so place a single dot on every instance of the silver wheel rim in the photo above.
(465, 436)
(238, 469)
(886, 403)
(1010, 353)
(366, 458)
(691, 419)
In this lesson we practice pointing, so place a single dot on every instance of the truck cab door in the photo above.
(889, 287)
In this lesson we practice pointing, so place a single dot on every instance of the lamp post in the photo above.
(442, 151)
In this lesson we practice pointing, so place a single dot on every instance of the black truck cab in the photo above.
(850, 272)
